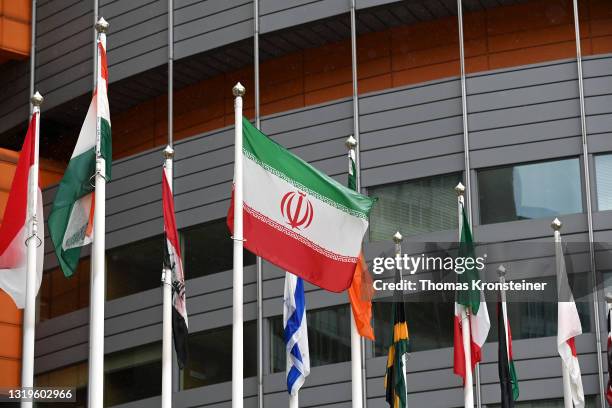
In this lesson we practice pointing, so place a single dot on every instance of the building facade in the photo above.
(526, 167)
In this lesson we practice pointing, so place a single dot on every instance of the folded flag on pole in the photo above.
(471, 301)
(71, 218)
(15, 229)
(173, 263)
(395, 376)
(297, 217)
(507, 373)
(568, 327)
(609, 389)
(361, 290)
(296, 333)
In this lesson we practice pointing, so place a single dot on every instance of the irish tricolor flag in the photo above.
(298, 218)
(471, 301)
(15, 224)
(71, 218)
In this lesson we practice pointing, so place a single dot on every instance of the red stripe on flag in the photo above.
(103, 65)
(572, 345)
(16, 206)
(459, 354)
(169, 219)
(293, 255)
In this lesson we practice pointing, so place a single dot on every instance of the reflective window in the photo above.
(210, 356)
(329, 337)
(603, 175)
(528, 191)
(133, 374)
(74, 376)
(208, 249)
(60, 295)
(134, 267)
(414, 207)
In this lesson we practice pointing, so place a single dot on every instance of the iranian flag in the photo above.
(71, 218)
(298, 218)
(507, 373)
(14, 231)
(472, 303)
(568, 328)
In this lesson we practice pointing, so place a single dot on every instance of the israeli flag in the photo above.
(296, 334)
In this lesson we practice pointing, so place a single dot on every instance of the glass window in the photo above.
(208, 249)
(528, 191)
(134, 267)
(414, 207)
(60, 295)
(210, 356)
(603, 173)
(329, 337)
(133, 374)
(74, 376)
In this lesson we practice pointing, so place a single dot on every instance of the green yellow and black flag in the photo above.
(395, 378)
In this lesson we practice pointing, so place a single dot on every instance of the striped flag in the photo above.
(173, 262)
(609, 389)
(296, 333)
(568, 327)
(71, 218)
(395, 375)
(471, 301)
(15, 230)
(297, 217)
(361, 290)
(507, 373)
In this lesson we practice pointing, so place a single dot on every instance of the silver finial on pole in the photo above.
(168, 153)
(398, 238)
(350, 142)
(501, 271)
(37, 99)
(238, 89)
(556, 224)
(460, 189)
(102, 25)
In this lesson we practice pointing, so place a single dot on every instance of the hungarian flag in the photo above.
(473, 303)
(568, 327)
(173, 263)
(71, 218)
(361, 290)
(609, 389)
(15, 226)
(507, 373)
(395, 376)
(298, 218)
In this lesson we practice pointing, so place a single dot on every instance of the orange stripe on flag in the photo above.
(89, 229)
(360, 294)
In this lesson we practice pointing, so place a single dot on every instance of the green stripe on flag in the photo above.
(106, 146)
(278, 160)
(74, 185)
(471, 297)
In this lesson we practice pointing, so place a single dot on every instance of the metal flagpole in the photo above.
(567, 386)
(589, 205)
(96, 323)
(33, 242)
(95, 50)
(397, 238)
(294, 401)
(32, 53)
(259, 263)
(358, 389)
(468, 392)
(466, 152)
(237, 318)
(167, 273)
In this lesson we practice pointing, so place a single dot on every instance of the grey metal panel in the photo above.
(277, 14)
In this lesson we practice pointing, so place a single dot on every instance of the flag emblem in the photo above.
(298, 212)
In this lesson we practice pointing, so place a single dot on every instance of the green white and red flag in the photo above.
(297, 217)
(473, 303)
(508, 379)
(71, 218)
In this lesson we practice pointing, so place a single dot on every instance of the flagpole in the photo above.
(468, 392)
(567, 390)
(398, 238)
(33, 242)
(166, 272)
(96, 324)
(356, 343)
(501, 271)
(237, 320)
(294, 401)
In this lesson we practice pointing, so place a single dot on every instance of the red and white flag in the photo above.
(568, 327)
(15, 228)
(172, 262)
